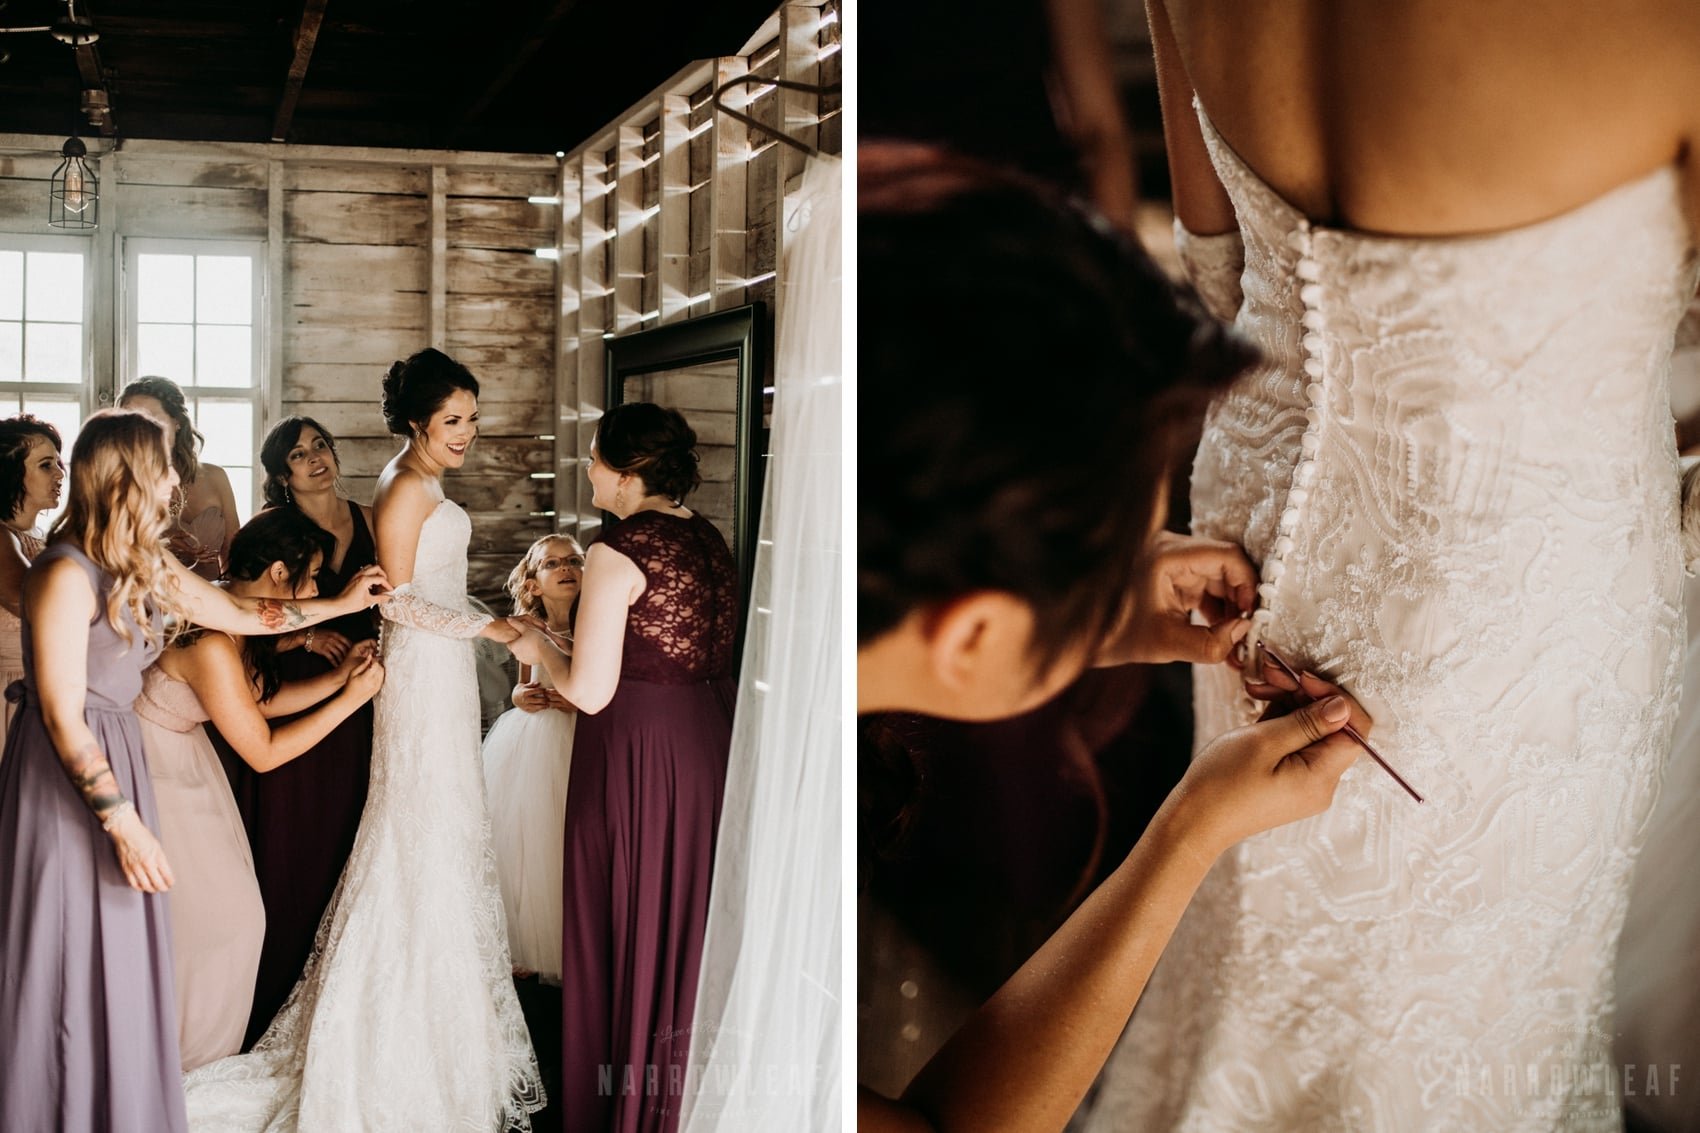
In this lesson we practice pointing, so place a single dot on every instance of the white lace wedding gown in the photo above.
(405, 1018)
(1457, 473)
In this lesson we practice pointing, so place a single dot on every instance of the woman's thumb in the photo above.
(1312, 723)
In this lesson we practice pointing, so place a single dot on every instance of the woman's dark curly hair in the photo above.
(185, 451)
(652, 443)
(278, 535)
(17, 437)
(274, 455)
(417, 387)
(1035, 376)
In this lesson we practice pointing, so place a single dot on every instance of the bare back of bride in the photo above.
(406, 1016)
(1463, 236)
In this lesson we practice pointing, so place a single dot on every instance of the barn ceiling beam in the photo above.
(528, 47)
(306, 35)
(97, 98)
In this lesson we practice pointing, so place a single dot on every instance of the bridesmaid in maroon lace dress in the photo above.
(302, 817)
(651, 675)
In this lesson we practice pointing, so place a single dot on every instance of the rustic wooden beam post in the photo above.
(272, 376)
(439, 294)
(568, 304)
(107, 262)
(728, 190)
(306, 35)
(628, 228)
(673, 226)
(595, 301)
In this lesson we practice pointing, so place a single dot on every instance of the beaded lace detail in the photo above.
(1457, 475)
(1214, 264)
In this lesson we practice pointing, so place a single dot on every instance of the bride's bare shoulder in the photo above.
(403, 490)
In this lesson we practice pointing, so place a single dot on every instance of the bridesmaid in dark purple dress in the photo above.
(88, 1027)
(651, 675)
(302, 817)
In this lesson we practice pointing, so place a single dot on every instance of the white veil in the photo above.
(766, 1042)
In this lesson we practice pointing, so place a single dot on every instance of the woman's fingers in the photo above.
(1316, 688)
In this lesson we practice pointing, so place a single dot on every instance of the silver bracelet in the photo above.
(118, 812)
(309, 643)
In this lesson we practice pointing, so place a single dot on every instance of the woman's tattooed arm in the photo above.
(278, 614)
(92, 775)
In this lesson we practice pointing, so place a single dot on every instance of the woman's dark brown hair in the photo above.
(653, 443)
(277, 535)
(274, 455)
(17, 438)
(1026, 375)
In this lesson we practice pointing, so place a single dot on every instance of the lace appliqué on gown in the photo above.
(1456, 473)
(405, 1017)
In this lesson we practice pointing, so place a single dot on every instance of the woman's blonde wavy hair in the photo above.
(526, 602)
(114, 514)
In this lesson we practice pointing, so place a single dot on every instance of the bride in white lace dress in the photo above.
(1457, 474)
(405, 1018)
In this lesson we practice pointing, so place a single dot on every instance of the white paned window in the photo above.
(45, 298)
(193, 314)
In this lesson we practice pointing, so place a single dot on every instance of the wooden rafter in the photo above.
(94, 78)
(306, 35)
(533, 42)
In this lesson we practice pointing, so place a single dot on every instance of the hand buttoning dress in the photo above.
(405, 1018)
(1457, 474)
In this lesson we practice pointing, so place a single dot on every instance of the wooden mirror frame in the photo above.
(734, 333)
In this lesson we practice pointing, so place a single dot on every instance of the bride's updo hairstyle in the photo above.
(417, 387)
(652, 443)
(1027, 379)
(277, 535)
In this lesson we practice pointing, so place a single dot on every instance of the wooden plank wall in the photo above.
(674, 211)
(378, 254)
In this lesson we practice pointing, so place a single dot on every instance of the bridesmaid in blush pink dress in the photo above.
(204, 506)
(217, 918)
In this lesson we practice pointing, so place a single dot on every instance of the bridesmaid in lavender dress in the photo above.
(651, 674)
(30, 477)
(88, 1027)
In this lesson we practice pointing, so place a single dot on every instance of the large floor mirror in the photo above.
(711, 370)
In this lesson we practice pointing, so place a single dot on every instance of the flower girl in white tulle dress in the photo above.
(526, 756)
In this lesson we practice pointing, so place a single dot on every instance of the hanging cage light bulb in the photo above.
(74, 191)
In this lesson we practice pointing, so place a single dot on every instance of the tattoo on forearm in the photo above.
(92, 775)
(278, 614)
